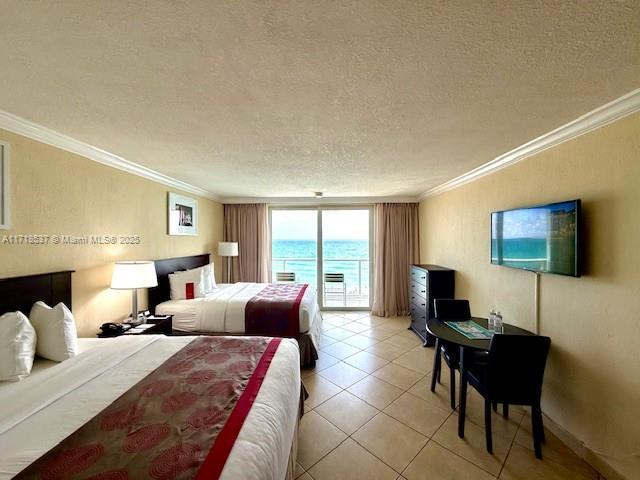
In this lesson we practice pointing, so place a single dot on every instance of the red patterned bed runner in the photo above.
(275, 311)
(179, 422)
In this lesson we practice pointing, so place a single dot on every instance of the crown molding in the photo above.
(21, 126)
(621, 107)
(286, 201)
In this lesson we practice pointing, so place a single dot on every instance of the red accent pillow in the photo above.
(189, 290)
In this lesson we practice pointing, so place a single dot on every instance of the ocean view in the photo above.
(301, 259)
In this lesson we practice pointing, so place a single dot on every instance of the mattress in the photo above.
(223, 309)
(43, 409)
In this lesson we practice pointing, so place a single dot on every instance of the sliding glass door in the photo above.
(345, 258)
(327, 247)
(294, 246)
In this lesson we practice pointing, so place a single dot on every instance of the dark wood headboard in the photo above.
(162, 292)
(20, 293)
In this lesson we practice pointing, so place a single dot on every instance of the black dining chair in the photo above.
(510, 374)
(450, 310)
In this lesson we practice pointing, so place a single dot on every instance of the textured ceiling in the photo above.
(286, 98)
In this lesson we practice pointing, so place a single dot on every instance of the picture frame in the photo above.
(4, 186)
(182, 215)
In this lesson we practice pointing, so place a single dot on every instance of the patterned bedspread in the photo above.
(275, 311)
(179, 422)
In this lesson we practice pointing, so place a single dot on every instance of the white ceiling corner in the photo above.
(21, 126)
(617, 109)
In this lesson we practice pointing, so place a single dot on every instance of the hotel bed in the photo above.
(142, 406)
(226, 309)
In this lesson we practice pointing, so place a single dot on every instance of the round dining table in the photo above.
(439, 329)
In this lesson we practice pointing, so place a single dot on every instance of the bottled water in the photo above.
(491, 320)
(497, 324)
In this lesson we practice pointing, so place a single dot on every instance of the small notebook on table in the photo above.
(471, 330)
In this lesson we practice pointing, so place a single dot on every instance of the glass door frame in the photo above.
(319, 256)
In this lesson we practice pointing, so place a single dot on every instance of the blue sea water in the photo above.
(539, 254)
(340, 256)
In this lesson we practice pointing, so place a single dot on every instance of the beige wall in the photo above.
(592, 383)
(57, 192)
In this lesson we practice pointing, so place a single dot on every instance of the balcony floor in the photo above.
(353, 300)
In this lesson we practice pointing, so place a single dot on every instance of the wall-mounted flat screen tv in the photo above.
(544, 238)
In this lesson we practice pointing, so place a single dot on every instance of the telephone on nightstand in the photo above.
(114, 329)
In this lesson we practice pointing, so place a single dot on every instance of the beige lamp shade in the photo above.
(228, 249)
(137, 274)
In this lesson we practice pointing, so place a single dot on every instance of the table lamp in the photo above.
(228, 249)
(132, 276)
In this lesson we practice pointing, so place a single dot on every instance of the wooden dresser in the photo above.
(427, 282)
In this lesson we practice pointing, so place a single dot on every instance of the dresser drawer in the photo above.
(418, 313)
(418, 290)
(418, 276)
(418, 303)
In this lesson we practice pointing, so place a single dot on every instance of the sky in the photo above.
(336, 224)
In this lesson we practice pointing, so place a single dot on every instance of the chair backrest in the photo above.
(334, 277)
(450, 309)
(516, 367)
(285, 276)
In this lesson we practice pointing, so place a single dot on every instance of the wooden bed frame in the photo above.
(162, 292)
(20, 293)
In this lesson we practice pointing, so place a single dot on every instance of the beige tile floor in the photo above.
(370, 415)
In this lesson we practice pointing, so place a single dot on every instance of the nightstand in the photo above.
(153, 325)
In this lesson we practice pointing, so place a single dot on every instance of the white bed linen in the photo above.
(39, 412)
(223, 309)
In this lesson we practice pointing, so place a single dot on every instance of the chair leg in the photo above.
(538, 429)
(463, 395)
(452, 380)
(436, 365)
(505, 410)
(487, 425)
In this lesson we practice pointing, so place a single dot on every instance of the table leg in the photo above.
(436, 365)
(463, 393)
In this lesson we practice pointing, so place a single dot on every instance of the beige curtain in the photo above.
(248, 224)
(396, 247)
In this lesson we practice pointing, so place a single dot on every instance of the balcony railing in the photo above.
(356, 277)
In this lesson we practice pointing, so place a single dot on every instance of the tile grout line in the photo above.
(350, 436)
(405, 390)
(506, 457)
(430, 438)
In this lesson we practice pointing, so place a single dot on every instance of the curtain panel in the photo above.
(248, 224)
(396, 247)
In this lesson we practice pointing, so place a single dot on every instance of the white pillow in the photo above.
(178, 282)
(56, 329)
(208, 280)
(17, 346)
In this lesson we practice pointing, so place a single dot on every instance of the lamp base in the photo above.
(134, 319)
(134, 322)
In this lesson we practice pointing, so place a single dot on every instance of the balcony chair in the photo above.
(333, 279)
(285, 277)
(450, 310)
(510, 374)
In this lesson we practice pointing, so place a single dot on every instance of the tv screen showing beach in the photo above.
(541, 239)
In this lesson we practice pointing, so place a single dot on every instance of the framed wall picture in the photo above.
(183, 215)
(4, 185)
